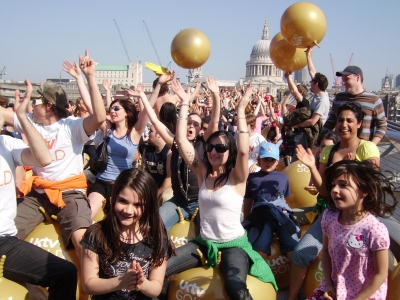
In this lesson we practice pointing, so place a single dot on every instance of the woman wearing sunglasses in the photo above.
(221, 171)
(184, 182)
(127, 126)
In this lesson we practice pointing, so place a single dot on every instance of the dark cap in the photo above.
(350, 70)
(54, 93)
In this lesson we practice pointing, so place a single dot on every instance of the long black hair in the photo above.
(168, 116)
(369, 180)
(132, 115)
(231, 161)
(107, 232)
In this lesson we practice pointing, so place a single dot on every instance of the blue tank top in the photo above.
(120, 155)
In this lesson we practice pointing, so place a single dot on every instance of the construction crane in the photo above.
(351, 57)
(151, 40)
(3, 72)
(335, 78)
(123, 43)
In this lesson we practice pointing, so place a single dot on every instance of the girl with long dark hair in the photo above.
(124, 256)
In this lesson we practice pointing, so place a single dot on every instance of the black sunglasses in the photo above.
(220, 148)
(116, 108)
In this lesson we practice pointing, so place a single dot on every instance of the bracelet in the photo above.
(182, 118)
(242, 131)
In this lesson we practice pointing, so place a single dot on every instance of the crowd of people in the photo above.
(208, 147)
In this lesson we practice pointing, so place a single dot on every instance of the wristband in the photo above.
(242, 131)
(182, 118)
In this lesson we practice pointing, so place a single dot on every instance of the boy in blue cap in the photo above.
(265, 210)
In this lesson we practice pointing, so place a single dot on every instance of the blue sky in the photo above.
(37, 36)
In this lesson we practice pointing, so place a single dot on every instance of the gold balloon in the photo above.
(47, 235)
(202, 283)
(285, 56)
(299, 177)
(303, 24)
(184, 230)
(190, 48)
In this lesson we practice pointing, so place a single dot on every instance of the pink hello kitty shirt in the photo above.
(350, 248)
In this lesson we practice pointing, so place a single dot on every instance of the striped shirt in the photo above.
(374, 117)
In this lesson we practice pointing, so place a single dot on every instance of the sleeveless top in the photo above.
(220, 214)
(120, 156)
(156, 163)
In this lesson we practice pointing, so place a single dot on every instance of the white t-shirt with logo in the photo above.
(254, 148)
(65, 139)
(10, 157)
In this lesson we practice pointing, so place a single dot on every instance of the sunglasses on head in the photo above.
(219, 148)
(116, 108)
(36, 102)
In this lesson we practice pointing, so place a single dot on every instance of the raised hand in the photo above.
(87, 65)
(21, 104)
(246, 97)
(164, 78)
(178, 89)
(136, 93)
(212, 84)
(306, 157)
(72, 69)
(311, 189)
(107, 85)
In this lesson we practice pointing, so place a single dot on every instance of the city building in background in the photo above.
(260, 70)
(125, 75)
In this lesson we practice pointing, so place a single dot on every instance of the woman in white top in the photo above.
(222, 172)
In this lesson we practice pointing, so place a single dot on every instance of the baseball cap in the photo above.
(54, 93)
(268, 149)
(350, 70)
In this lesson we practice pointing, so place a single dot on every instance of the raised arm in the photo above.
(162, 130)
(94, 121)
(311, 69)
(143, 117)
(107, 86)
(186, 148)
(195, 92)
(216, 109)
(317, 175)
(241, 169)
(284, 103)
(38, 153)
(73, 70)
(259, 105)
(293, 88)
